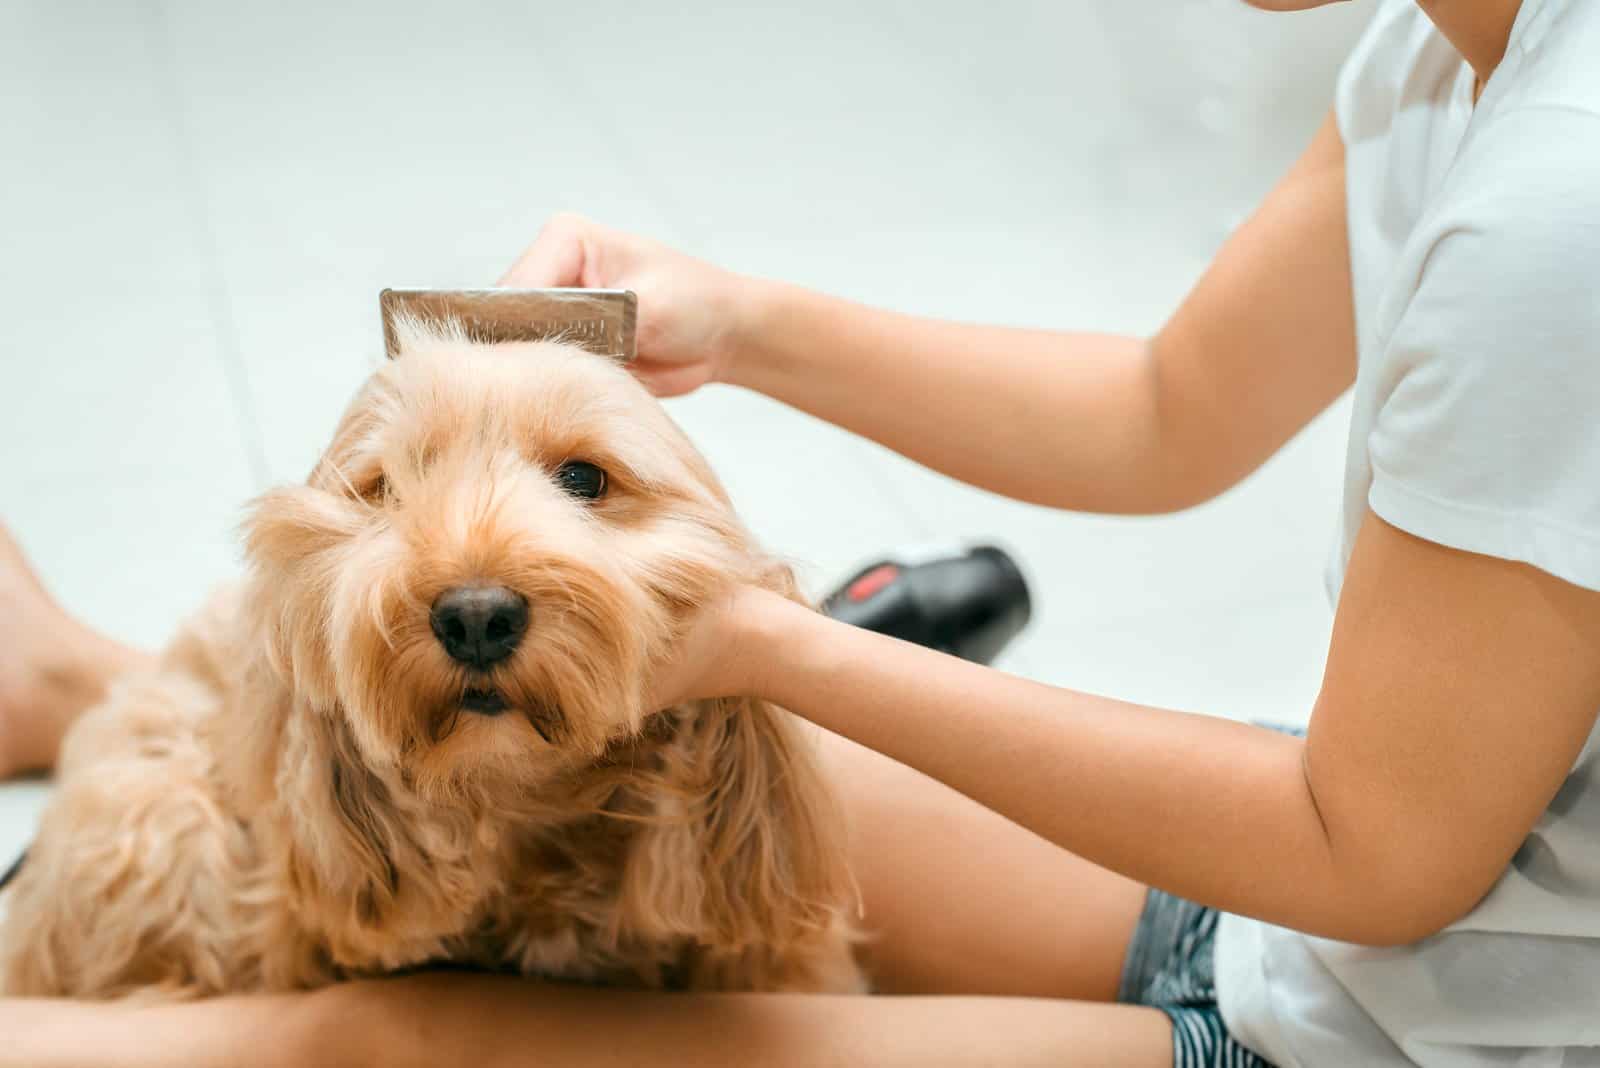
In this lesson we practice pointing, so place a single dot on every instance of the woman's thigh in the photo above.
(960, 900)
(499, 1022)
(492, 1022)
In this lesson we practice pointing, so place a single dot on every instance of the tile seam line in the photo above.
(198, 209)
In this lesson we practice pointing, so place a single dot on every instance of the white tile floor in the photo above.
(200, 202)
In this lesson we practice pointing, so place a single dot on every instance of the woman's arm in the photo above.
(1082, 421)
(1093, 422)
(1459, 690)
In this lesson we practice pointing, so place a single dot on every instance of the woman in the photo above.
(1092, 882)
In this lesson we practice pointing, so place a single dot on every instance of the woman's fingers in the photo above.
(556, 258)
(666, 380)
(686, 307)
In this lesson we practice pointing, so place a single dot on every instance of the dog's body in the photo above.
(418, 733)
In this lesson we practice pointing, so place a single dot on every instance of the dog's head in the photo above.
(497, 547)
(455, 624)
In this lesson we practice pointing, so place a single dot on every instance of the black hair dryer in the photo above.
(968, 602)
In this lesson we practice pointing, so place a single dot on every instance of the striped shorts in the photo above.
(1169, 967)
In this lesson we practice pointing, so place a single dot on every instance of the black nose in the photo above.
(479, 625)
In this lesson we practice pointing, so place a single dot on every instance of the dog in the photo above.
(417, 733)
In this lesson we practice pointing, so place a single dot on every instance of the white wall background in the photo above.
(199, 203)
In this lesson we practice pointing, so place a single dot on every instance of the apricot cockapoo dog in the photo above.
(416, 734)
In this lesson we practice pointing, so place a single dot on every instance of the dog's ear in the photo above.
(286, 525)
(745, 851)
(292, 535)
(347, 844)
(292, 541)
(337, 837)
(327, 824)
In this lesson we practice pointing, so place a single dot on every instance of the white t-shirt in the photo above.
(1475, 249)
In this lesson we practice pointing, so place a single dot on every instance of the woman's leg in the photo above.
(960, 900)
(502, 1023)
(496, 1022)
(52, 667)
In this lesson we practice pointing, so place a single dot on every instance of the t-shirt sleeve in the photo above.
(1488, 435)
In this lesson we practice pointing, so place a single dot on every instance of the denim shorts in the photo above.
(1169, 967)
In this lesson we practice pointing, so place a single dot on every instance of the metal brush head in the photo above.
(600, 320)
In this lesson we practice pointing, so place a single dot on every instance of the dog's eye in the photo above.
(374, 489)
(583, 480)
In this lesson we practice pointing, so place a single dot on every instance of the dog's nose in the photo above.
(479, 625)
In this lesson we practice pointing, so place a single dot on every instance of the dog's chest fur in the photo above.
(528, 885)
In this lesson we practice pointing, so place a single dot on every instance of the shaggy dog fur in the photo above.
(297, 794)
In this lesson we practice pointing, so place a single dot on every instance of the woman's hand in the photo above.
(724, 653)
(690, 312)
